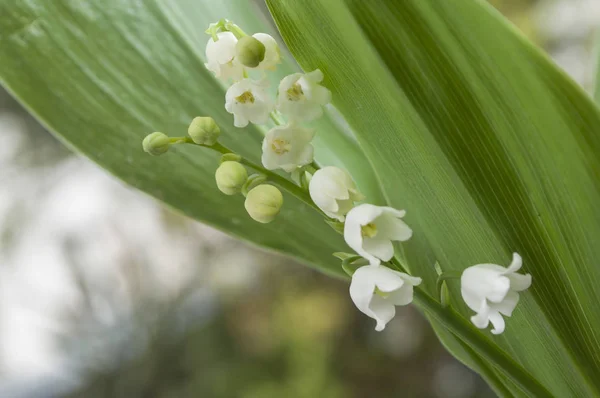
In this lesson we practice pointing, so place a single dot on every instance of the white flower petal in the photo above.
(380, 248)
(330, 188)
(383, 278)
(321, 95)
(402, 296)
(485, 281)
(393, 228)
(375, 290)
(516, 264)
(362, 288)
(394, 212)
(481, 319)
(354, 239)
(412, 280)
(519, 282)
(498, 322)
(325, 202)
(507, 306)
(287, 82)
(316, 76)
(365, 213)
(220, 57)
(248, 101)
(382, 311)
(301, 98)
(344, 206)
(221, 51)
(306, 156)
(272, 53)
(287, 147)
(240, 121)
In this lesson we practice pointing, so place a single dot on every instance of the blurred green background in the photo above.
(105, 293)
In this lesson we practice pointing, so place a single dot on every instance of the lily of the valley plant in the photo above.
(435, 152)
(383, 283)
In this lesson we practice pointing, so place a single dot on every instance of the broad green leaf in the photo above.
(596, 71)
(102, 75)
(489, 147)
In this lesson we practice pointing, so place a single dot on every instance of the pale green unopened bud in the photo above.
(263, 203)
(156, 143)
(231, 177)
(249, 51)
(204, 131)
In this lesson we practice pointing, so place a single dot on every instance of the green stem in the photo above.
(444, 277)
(180, 140)
(275, 118)
(236, 30)
(464, 331)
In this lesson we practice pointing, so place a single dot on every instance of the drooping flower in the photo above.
(220, 57)
(492, 291)
(376, 290)
(334, 192)
(248, 101)
(272, 54)
(301, 97)
(287, 147)
(369, 230)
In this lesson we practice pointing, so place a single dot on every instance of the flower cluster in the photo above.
(379, 282)
(232, 55)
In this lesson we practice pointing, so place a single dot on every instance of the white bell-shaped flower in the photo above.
(287, 147)
(369, 230)
(248, 101)
(492, 291)
(334, 192)
(301, 97)
(272, 53)
(376, 290)
(220, 57)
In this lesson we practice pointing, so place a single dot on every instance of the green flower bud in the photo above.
(249, 51)
(231, 177)
(263, 203)
(204, 131)
(156, 143)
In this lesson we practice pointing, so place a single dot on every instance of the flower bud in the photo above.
(231, 177)
(249, 51)
(263, 203)
(156, 143)
(204, 131)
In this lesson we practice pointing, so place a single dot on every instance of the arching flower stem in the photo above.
(444, 277)
(233, 28)
(276, 118)
(282, 182)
